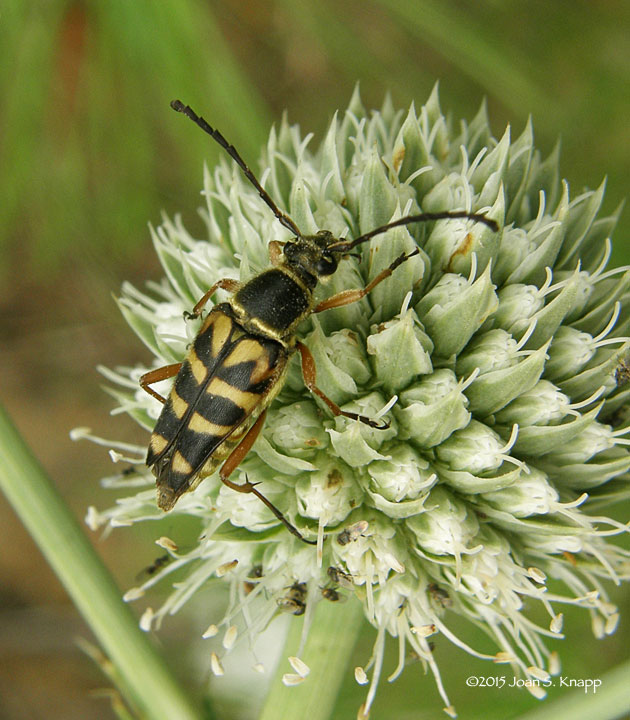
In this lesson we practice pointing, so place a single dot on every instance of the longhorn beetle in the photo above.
(238, 361)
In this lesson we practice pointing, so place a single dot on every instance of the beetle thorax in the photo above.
(273, 303)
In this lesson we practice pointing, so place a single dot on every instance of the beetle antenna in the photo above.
(179, 106)
(345, 245)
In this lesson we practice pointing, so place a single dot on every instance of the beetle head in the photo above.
(311, 255)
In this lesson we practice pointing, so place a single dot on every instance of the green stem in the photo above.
(327, 652)
(146, 682)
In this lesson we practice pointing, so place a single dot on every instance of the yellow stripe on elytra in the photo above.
(251, 351)
(199, 424)
(198, 369)
(158, 443)
(221, 329)
(262, 370)
(245, 400)
(181, 465)
(179, 406)
(245, 351)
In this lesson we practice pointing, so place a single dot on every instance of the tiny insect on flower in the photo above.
(294, 601)
(352, 533)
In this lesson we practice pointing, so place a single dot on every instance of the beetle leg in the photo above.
(153, 376)
(346, 297)
(309, 373)
(229, 284)
(234, 460)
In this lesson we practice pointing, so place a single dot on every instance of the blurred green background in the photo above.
(90, 152)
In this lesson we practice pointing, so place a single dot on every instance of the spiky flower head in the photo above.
(497, 358)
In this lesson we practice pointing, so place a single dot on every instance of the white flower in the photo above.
(492, 355)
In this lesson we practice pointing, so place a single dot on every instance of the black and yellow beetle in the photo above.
(238, 361)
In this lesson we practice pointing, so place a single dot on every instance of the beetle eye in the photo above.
(326, 265)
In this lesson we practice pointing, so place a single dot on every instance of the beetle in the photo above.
(238, 360)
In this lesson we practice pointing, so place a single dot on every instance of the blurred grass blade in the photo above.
(84, 159)
(146, 681)
(468, 45)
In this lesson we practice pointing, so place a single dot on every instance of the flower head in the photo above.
(496, 357)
